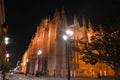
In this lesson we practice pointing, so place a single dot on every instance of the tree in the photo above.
(6, 65)
(3, 32)
(105, 48)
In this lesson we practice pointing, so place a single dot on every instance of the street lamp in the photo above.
(6, 40)
(27, 60)
(66, 37)
(39, 53)
(6, 43)
(7, 57)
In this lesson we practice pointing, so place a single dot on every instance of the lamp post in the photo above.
(27, 66)
(39, 53)
(6, 41)
(66, 37)
(7, 57)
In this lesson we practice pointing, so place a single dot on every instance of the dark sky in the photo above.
(23, 16)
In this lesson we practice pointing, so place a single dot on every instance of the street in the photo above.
(23, 77)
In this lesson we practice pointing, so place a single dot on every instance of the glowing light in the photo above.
(7, 55)
(39, 52)
(65, 37)
(6, 40)
(69, 32)
(27, 60)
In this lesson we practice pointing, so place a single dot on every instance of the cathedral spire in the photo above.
(63, 18)
(90, 25)
(75, 21)
(56, 13)
(56, 16)
(85, 29)
(83, 21)
(63, 12)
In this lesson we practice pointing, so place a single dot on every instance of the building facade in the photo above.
(53, 59)
(3, 31)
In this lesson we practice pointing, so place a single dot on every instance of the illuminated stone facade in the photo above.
(53, 60)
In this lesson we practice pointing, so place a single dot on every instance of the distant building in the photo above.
(53, 60)
(3, 31)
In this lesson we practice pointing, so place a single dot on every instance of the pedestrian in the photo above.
(26, 73)
(3, 75)
(99, 77)
(6, 75)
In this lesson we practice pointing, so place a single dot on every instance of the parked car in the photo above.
(38, 74)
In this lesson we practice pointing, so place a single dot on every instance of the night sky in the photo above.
(23, 16)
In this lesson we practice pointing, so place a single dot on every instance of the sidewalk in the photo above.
(65, 78)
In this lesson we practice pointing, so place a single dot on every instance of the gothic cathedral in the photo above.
(53, 58)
